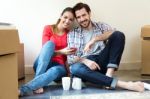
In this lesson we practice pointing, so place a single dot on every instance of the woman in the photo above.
(50, 64)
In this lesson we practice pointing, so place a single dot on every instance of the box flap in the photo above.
(145, 31)
(9, 40)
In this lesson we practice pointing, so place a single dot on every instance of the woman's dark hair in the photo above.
(68, 9)
(81, 5)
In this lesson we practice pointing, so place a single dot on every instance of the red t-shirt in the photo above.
(59, 41)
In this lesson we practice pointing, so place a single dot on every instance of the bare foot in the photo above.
(136, 86)
(39, 91)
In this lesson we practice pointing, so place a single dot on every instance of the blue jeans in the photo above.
(45, 70)
(108, 58)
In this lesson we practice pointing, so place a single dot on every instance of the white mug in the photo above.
(66, 83)
(77, 83)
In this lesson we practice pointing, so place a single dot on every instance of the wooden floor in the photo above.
(127, 75)
(133, 75)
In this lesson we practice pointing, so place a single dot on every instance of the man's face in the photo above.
(83, 17)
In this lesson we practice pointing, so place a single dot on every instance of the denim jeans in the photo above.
(45, 70)
(108, 58)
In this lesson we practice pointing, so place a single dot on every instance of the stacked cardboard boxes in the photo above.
(145, 34)
(9, 46)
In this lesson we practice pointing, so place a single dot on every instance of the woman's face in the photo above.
(67, 19)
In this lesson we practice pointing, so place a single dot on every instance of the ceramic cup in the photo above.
(66, 83)
(77, 83)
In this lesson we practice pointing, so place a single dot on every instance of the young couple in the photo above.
(99, 50)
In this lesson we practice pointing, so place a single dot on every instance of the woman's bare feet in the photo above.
(136, 86)
(39, 91)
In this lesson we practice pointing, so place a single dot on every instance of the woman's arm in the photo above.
(65, 51)
(47, 33)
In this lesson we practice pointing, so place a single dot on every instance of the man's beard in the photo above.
(86, 25)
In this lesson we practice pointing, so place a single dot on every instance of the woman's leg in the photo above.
(35, 64)
(43, 60)
(53, 73)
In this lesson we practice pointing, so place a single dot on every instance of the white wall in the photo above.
(30, 16)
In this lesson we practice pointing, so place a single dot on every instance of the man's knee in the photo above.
(75, 68)
(118, 35)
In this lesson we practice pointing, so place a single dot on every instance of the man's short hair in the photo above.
(81, 5)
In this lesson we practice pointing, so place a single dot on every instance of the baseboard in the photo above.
(130, 66)
(123, 66)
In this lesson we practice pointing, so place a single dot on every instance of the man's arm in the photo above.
(89, 63)
(101, 37)
(106, 30)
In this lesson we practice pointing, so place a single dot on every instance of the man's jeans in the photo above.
(108, 58)
(111, 55)
(45, 70)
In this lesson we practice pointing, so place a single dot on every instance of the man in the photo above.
(90, 40)
(99, 50)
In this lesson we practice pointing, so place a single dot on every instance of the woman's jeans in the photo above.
(110, 55)
(45, 70)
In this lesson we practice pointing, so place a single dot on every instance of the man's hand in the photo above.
(88, 46)
(101, 37)
(91, 64)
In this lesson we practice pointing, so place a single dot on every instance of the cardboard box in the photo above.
(21, 68)
(8, 76)
(9, 46)
(145, 34)
(9, 41)
(145, 31)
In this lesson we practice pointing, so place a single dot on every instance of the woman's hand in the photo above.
(67, 51)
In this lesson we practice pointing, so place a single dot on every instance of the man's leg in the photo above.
(96, 77)
(82, 71)
(110, 72)
(111, 54)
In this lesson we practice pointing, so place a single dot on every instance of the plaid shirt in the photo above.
(75, 39)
